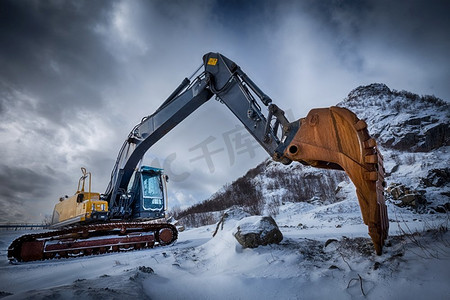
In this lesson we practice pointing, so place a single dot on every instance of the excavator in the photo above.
(123, 217)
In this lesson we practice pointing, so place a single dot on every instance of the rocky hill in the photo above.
(401, 120)
(412, 133)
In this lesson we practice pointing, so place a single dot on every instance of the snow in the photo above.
(199, 266)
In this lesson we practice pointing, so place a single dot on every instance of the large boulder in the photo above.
(255, 231)
(406, 196)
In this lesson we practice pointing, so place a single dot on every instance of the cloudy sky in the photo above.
(76, 76)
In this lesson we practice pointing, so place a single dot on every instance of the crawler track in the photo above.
(90, 240)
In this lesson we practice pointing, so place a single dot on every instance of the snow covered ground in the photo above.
(325, 253)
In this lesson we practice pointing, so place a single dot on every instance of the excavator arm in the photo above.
(331, 138)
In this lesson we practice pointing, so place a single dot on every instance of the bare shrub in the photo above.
(242, 192)
(198, 219)
(273, 206)
(298, 183)
(438, 233)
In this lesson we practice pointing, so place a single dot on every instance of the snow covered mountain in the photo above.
(412, 133)
(401, 120)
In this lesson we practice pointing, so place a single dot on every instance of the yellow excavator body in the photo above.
(334, 138)
(83, 207)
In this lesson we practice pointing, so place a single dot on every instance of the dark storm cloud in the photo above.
(19, 182)
(51, 50)
(26, 191)
(405, 33)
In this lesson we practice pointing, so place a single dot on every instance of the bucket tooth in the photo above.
(371, 159)
(360, 125)
(370, 143)
(371, 176)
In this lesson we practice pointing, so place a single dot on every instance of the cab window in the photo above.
(152, 192)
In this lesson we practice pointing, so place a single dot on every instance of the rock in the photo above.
(406, 196)
(435, 137)
(408, 199)
(414, 200)
(394, 169)
(329, 241)
(372, 90)
(255, 231)
(437, 178)
(333, 267)
(405, 141)
(415, 141)
(302, 226)
(395, 190)
(443, 209)
(145, 269)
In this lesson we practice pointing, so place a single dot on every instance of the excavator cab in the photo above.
(149, 192)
